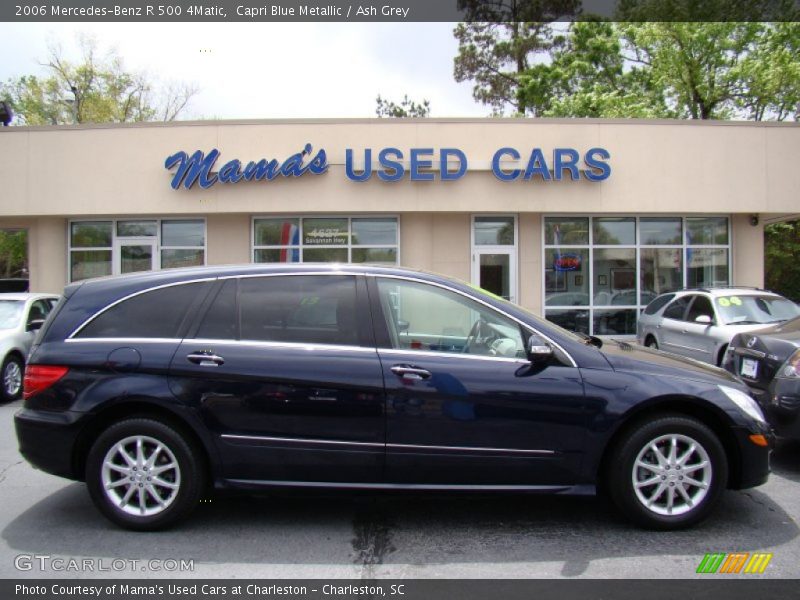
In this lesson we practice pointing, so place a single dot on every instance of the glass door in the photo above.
(132, 255)
(494, 254)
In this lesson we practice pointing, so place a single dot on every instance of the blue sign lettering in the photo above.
(564, 160)
(197, 168)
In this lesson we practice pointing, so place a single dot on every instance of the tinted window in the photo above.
(155, 314)
(700, 307)
(220, 321)
(304, 309)
(677, 308)
(425, 317)
(39, 311)
(656, 304)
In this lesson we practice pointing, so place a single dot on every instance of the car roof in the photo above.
(727, 291)
(25, 296)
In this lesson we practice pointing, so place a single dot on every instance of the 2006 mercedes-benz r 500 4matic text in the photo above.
(155, 387)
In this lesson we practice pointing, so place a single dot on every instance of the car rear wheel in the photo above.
(144, 475)
(651, 342)
(668, 472)
(12, 378)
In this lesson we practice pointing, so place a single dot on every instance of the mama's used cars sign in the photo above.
(392, 164)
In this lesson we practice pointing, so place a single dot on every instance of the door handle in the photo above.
(409, 372)
(205, 359)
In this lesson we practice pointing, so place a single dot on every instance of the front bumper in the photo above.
(47, 440)
(781, 405)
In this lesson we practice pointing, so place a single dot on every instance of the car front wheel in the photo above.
(12, 378)
(144, 475)
(668, 473)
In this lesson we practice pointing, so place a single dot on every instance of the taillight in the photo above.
(40, 377)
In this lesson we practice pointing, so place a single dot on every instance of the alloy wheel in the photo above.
(12, 378)
(672, 474)
(141, 476)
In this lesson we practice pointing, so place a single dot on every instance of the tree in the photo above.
(13, 253)
(500, 41)
(781, 247)
(696, 70)
(406, 108)
(97, 89)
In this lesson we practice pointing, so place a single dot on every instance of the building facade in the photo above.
(583, 221)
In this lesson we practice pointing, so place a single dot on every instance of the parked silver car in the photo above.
(21, 315)
(700, 323)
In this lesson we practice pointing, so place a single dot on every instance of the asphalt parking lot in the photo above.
(363, 536)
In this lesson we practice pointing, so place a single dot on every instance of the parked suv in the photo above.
(700, 323)
(156, 387)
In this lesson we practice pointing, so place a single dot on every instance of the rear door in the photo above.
(287, 379)
(673, 325)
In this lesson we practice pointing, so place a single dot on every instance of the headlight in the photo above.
(744, 402)
(791, 368)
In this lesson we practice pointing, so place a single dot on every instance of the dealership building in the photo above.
(583, 221)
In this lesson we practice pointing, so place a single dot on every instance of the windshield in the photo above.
(745, 310)
(10, 313)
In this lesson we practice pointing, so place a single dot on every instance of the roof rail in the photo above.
(725, 287)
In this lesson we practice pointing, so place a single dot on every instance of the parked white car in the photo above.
(700, 323)
(21, 316)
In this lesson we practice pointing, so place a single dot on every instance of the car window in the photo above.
(747, 309)
(221, 320)
(656, 304)
(154, 314)
(677, 308)
(313, 309)
(10, 313)
(38, 311)
(426, 317)
(700, 307)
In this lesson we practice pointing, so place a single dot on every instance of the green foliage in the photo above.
(594, 68)
(13, 253)
(781, 249)
(500, 42)
(406, 108)
(97, 89)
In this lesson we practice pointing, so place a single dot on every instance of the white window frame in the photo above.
(349, 246)
(511, 249)
(114, 247)
(638, 246)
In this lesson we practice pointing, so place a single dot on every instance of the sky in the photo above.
(270, 70)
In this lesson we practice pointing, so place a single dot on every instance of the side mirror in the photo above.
(34, 325)
(403, 325)
(538, 349)
(704, 319)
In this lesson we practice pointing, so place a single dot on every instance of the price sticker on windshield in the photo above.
(724, 302)
(736, 301)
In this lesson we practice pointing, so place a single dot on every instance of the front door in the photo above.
(132, 255)
(494, 254)
(463, 405)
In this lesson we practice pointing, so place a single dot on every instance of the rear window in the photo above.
(656, 304)
(301, 309)
(155, 314)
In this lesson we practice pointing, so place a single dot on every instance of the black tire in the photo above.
(13, 369)
(188, 479)
(631, 500)
(651, 342)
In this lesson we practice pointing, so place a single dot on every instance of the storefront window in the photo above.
(326, 239)
(599, 283)
(99, 248)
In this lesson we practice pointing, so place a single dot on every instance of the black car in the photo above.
(155, 388)
(769, 362)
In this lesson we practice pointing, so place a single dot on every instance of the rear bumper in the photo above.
(47, 440)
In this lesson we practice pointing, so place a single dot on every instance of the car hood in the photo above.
(623, 356)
